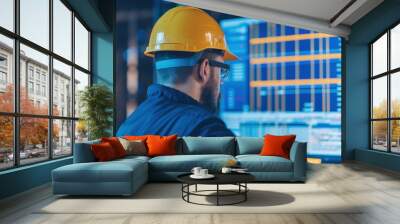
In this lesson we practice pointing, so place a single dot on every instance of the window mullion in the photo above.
(73, 83)
(50, 81)
(389, 106)
(16, 85)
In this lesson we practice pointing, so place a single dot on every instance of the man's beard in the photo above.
(208, 99)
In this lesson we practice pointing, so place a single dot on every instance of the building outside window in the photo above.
(30, 72)
(30, 87)
(3, 72)
(37, 74)
(43, 90)
(44, 77)
(3, 77)
(38, 89)
(3, 61)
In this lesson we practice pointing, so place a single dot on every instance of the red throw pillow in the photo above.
(277, 145)
(116, 145)
(161, 145)
(103, 152)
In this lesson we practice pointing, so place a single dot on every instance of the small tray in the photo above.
(208, 176)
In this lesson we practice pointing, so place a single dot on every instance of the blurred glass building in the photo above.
(287, 81)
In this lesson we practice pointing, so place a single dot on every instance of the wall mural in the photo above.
(287, 80)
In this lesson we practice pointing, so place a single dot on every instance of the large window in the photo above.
(385, 94)
(44, 64)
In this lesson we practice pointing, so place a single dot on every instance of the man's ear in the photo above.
(203, 74)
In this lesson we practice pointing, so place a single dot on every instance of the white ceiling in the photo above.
(319, 15)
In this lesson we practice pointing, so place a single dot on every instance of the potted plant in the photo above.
(96, 103)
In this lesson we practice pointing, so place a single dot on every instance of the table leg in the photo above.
(188, 189)
(245, 193)
(182, 189)
(196, 188)
(217, 194)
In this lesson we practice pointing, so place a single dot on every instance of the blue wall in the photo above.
(24, 178)
(102, 58)
(357, 83)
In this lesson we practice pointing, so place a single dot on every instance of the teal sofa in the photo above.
(125, 176)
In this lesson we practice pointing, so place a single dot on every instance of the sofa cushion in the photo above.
(161, 145)
(134, 147)
(111, 171)
(257, 163)
(103, 152)
(117, 146)
(185, 163)
(208, 145)
(277, 145)
(249, 145)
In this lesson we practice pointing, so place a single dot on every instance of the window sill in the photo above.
(25, 167)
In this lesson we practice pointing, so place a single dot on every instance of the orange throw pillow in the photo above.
(161, 145)
(134, 138)
(277, 145)
(103, 152)
(116, 145)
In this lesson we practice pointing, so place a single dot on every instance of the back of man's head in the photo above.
(179, 75)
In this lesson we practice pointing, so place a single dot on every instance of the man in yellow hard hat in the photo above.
(189, 50)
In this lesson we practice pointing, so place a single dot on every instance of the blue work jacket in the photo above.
(167, 111)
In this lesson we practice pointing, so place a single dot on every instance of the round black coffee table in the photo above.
(238, 179)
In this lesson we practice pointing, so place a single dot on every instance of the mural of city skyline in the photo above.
(287, 81)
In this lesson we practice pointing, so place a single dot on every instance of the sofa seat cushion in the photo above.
(185, 163)
(112, 171)
(133, 158)
(257, 163)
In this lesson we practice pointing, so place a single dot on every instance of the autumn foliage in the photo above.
(33, 131)
(380, 127)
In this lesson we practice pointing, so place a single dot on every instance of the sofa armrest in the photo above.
(298, 155)
(83, 152)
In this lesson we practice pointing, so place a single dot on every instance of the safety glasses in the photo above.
(224, 67)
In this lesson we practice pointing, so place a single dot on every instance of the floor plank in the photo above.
(377, 190)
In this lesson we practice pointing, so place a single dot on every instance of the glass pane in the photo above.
(81, 81)
(379, 55)
(62, 89)
(81, 131)
(7, 14)
(81, 45)
(6, 142)
(395, 47)
(395, 136)
(35, 21)
(34, 92)
(395, 94)
(33, 139)
(6, 74)
(379, 98)
(62, 29)
(379, 135)
(62, 138)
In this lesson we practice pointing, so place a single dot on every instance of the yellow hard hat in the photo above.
(189, 29)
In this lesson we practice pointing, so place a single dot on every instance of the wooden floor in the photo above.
(377, 188)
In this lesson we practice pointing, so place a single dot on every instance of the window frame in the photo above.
(388, 74)
(16, 115)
